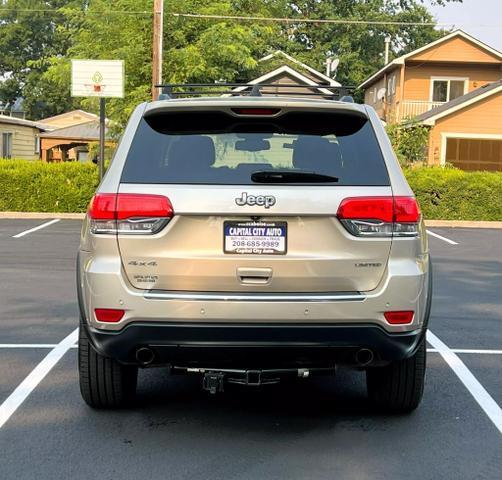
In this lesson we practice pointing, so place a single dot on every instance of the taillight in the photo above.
(399, 318)
(109, 315)
(129, 213)
(380, 216)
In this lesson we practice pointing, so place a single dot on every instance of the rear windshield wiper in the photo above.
(291, 176)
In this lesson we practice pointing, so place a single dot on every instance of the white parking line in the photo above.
(27, 345)
(31, 345)
(46, 224)
(469, 350)
(19, 395)
(447, 240)
(484, 399)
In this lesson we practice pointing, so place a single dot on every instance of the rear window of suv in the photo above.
(220, 148)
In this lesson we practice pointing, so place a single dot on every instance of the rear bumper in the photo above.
(253, 346)
(103, 285)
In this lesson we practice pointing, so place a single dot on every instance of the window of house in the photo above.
(37, 144)
(446, 89)
(6, 145)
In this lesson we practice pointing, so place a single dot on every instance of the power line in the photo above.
(287, 20)
(301, 20)
(325, 20)
(83, 12)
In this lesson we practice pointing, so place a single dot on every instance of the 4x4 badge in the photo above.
(266, 201)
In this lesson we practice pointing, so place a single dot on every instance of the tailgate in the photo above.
(319, 254)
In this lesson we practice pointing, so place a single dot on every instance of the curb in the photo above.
(462, 224)
(41, 215)
(80, 216)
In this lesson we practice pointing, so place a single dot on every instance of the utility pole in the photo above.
(158, 28)
(102, 136)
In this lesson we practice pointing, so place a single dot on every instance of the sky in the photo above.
(469, 14)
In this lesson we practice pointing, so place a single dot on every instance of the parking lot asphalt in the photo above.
(319, 429)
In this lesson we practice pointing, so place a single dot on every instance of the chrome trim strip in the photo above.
(246, 297)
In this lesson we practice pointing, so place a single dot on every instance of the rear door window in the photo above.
(219, 148)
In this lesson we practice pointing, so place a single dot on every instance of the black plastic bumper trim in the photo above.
(252, 344)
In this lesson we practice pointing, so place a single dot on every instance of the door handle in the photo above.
(254, 276)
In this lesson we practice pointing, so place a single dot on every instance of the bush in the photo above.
(451, 194)
(443, 193)
(409, 142)
(34, 186)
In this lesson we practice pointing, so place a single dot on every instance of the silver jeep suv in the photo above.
(245, 239)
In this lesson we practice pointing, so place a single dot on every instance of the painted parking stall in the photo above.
(286, 431)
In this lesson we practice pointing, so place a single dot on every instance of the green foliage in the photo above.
(409, 142)
(33, 32)
(33, 186)
(36, 46)
(443, 193)
(360, 47)
(451, 194)
(93, 152)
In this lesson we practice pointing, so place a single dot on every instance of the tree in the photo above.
(36, 48)
(104, 30)
(32, 32)
(360, 47)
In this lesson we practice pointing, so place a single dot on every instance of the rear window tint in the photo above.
(218, 148)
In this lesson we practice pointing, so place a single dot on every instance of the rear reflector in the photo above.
(109, 315)
(129, 213)
(399, 318)
(380, 216)
(256, 111)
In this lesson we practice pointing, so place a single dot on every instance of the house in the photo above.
(68, 136)
(467, 131)
(281, 68)
(68, 119)
(71, 142)
(453, 86)
(19, 138)
(431, 76)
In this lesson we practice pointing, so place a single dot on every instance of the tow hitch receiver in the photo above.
(213, 380)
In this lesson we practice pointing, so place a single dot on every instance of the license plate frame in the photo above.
(253, 243)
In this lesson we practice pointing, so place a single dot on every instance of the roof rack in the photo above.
(177, 90)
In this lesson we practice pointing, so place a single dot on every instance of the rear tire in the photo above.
(398, 387)
(104, 382)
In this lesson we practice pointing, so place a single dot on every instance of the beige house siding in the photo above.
(480, 120)
(370, 97)
(457, 49)
(455, 57)
(417, 78)
(68, 119)
(388, 107)
(23, 140)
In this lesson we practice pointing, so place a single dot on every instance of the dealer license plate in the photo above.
(255, 238)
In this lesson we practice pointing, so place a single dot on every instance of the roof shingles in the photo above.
(83, 131)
